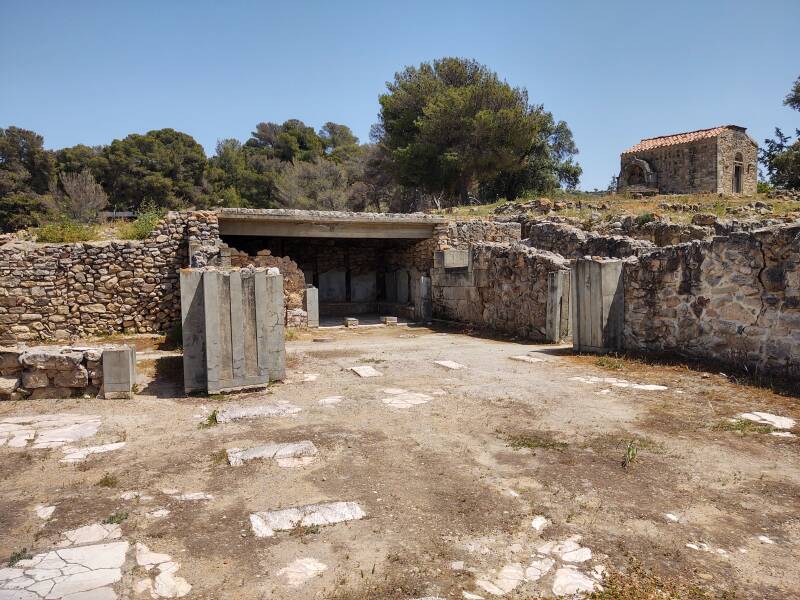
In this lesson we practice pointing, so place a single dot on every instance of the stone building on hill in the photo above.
(718, 160)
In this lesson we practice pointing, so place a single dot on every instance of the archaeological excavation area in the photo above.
(292, 404)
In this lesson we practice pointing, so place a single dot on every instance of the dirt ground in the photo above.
(458, 478)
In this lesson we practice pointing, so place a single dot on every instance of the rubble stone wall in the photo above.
(735, 299)
(504, 289)
(572, 242)
(463, 233)
(62, 291)
(50, 372)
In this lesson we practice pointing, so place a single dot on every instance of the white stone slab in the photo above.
(98, 556)
(768, 419)
(265, 524)
(331, 400)
(305, 448)
(450, 364)
(509, 577)
(527, 359)
(147, 558)
(281, 409)
(301, 570)
(44, 512)
(569, 581)
(167, 585)
(366, 371)
(91, 534)
(539, 522)
(74, 455)
(539, 568)
(83, 582)
(193, 496)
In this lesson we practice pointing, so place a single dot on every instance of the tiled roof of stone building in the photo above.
(680, 138)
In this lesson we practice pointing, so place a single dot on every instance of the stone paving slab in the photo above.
(303, 449)
(235, 413)
(265, 524)
(366, 371)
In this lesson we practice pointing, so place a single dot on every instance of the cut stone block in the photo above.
(389, 320)
(350, 322)
(366, 371)
(235, 413)
(119, 372)
(265, 524)
(279, 452)
(399, 398)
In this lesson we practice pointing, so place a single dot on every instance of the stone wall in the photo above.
(572, 242)
(463, 233)
(51, 372)
(504, 288)
(731, 142)
(63, 291)
(735, 299)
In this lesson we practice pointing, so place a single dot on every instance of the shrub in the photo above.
(142, 227)
(65, 230)
(645, 218)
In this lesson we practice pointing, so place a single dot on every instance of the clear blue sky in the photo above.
(616, 71)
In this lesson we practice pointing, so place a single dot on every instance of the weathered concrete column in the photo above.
(557, 315)
(598, 305)
(311, 305)
(119, 372)
(423, 305)
(233, 328)
(193, 330)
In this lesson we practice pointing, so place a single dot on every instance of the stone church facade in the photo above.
(719, 160)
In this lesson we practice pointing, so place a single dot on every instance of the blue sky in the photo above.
(616, 71)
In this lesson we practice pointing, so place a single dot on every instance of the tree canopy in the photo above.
(779, 155)
(452, 125)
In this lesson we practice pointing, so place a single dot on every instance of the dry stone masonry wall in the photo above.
(504, 288)
(572, 242)
(51, 371)
(63, 291)
(735, 299)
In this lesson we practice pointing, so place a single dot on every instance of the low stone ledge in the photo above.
(65, 372)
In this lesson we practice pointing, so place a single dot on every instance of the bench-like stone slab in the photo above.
(279, 452)
(265, 524)
(236, 413)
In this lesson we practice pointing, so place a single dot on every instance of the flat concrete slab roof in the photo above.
(326, 224)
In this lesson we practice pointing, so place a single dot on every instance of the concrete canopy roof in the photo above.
(326, 224)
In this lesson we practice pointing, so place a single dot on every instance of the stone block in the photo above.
(51, 392)
(350, 322)
(119, 372)
(9, 358)
(35, 378)
(311, 305)
(51, 359)
(389, 320)
(74, 378)
(8, 385)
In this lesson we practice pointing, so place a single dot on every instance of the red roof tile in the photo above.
(679, 138)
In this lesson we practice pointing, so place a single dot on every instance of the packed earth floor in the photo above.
(458, 471)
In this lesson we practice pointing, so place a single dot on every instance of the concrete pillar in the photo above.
(274, 313)
(311, 305)
(557, 315)
(119, 372)
(193, 330)
(598, 315)
(423, 305)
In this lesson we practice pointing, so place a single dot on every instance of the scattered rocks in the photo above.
(620, 383)
(44, 512)
(165, 584)
(539, 522)
(265, 524)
